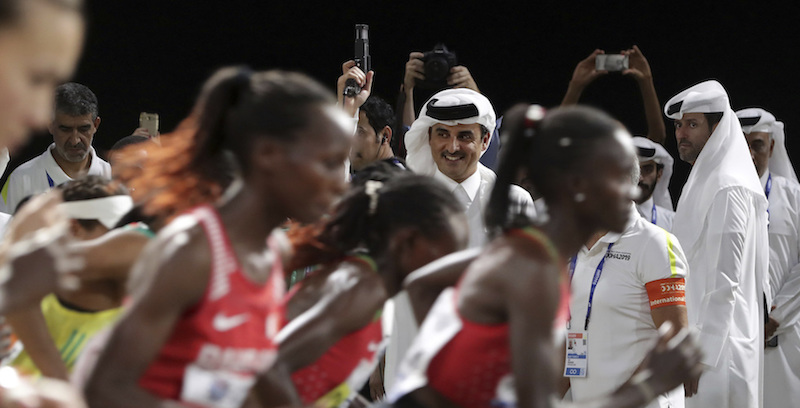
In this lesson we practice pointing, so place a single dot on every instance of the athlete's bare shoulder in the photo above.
(182, 249)
(509, 264)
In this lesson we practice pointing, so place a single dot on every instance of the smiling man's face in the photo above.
(456, 149)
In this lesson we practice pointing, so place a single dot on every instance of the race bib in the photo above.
(218, 389)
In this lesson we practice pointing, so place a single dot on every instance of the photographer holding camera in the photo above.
(457, 76)
(586, 72)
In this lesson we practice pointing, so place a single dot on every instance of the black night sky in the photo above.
(152, 55)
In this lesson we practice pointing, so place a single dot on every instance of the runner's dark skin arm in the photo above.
(426, 284)
(321, 313)
(111, 255)
(160, 293)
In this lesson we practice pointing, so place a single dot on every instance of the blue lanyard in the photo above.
(597, 273)
(653, 214)
(767, 189)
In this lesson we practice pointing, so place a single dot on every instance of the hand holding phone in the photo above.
(611, 62)
(149, 121)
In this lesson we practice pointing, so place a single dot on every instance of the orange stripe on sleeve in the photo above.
(666, 292)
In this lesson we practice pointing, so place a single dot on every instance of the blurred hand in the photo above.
(415, 69)
(144, 132)
(638, 67)
(351, 71)
(674, 360)
(39, 213)
(461, 78)
(585, 71)
(17, 392)
(770, 327)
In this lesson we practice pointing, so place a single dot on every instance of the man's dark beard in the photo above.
(647, 192)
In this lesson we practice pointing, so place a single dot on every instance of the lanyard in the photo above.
(597, 273)
(653, 214)
(767, 189)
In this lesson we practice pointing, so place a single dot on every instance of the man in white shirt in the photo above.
(635, 281)
(655, 165)
(453, 130)
(721, 222)
(765, 137)
(75, 121)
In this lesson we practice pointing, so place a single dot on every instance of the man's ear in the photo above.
(97, 123)
(771, 145)
(659, 172)
(387, 134)
(485, 141)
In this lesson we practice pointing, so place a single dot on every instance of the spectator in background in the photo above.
(121, 148)
(373, 134)
(458, 77)
(765, 136)
(586, 72)
(721, 222)
(74, 123)
(655, 164)
(452, 132)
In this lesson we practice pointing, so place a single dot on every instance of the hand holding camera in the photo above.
(435, 70)
(586, 71)
(639, 68)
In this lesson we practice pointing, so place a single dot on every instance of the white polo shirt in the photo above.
(41, 174)
(621, 329)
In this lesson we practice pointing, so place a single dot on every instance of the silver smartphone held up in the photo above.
(611, 62)
(149, 121)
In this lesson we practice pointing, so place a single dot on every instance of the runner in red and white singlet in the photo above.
(466, 362)
(205, 294)
(334, 338)
(219, 346)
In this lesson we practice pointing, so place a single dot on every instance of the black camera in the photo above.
(438, 63)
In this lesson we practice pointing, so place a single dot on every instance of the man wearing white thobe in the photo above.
(721, 222)
(765, 136)
(655, 170)
(452, 132)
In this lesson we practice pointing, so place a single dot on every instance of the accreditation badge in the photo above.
(576, 360)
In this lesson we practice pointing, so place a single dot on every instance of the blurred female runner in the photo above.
(377, 235)
(205, 296)
(492, 340)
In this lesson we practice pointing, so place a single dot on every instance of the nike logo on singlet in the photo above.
(224, 323)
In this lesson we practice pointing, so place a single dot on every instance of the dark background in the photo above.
(152, 55)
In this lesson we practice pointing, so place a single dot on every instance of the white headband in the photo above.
(759, 120)
(705, 97)
(107, 210)
(650, 150)
(460, 106)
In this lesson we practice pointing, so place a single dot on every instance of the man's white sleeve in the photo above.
(727, 228)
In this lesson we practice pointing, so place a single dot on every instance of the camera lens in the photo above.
(436, 69)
